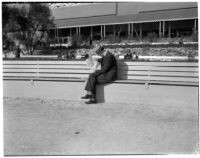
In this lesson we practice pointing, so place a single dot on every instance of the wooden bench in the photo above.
(144, 72)
(74, 73)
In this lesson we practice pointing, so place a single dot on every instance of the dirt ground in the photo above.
(34, 126)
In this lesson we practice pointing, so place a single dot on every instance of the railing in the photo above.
(151, 72)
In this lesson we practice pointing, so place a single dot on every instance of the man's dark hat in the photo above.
(100, 49)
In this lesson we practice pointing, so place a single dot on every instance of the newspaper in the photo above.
(92, 64)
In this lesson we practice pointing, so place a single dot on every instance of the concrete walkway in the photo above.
(61, 127)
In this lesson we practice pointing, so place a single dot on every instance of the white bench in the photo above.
(136, 80)
(145, 72)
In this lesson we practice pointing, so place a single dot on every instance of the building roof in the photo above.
(63, 5)
(162, 15)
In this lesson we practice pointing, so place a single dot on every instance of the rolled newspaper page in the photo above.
(92, 64)
(89, 62)
(95, 67)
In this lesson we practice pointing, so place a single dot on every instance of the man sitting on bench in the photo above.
(107, 74)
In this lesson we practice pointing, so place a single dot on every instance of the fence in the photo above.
(140, 82)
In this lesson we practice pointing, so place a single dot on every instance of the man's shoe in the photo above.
(91, 101)
(87, 96)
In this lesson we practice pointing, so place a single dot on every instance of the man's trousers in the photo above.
(93, 81)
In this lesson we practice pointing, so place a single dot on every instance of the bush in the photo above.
(8, 43)
(77, 40)
(113, 39)
(151, 37)
(195, 37)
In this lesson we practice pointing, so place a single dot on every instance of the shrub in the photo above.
(113, 39)
(8, 43)
(195, 37)
(151, 37)
(76, 40)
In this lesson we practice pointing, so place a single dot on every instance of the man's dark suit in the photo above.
(107, 73)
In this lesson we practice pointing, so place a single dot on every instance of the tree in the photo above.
(8, 42)
(5, 16)
(29, 24)
(39, 21)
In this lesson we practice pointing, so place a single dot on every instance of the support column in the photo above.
(58, 39)
(114, 31)
(55, 35)
(91, 34)
(128, 30)
(169, 30)
(77, 30)
(131, 30)
(163, 29)
(160, 26)
(136, 33)
(101, 32)
(140, 31)
(104, 32)
(195, 25)
(70, 29)
(58, 36)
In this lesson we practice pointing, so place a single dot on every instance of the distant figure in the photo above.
(128, 55)
(180, 40)
(90, 41)
(107, 74)
(18, 51)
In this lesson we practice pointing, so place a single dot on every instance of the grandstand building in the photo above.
(97, 21)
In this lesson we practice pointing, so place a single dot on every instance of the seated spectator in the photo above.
(18, 51)
(107, 74)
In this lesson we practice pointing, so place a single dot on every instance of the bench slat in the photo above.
(46, 79)
(20, 74)
(129, 63)
(20, 66)
(144, 73)
(159, 73)
(44, 75)
(125, 68)
(47, 66)
(156, 82)
(117, 81)
(47, 70)
(19, 70)
(63, 75)
(158, 68)
(43, 62)
(158, 78)
(64, 66)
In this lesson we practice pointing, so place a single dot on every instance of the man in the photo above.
(107, 74)
(18, 51)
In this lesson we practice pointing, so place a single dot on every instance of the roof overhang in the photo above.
(168, 15)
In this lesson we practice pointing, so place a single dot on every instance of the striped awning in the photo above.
(168, 15)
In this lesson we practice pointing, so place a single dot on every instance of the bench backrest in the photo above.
(128, 70)
(40, 69)
(159, 71)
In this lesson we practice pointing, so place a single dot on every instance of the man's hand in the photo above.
(96, 73)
